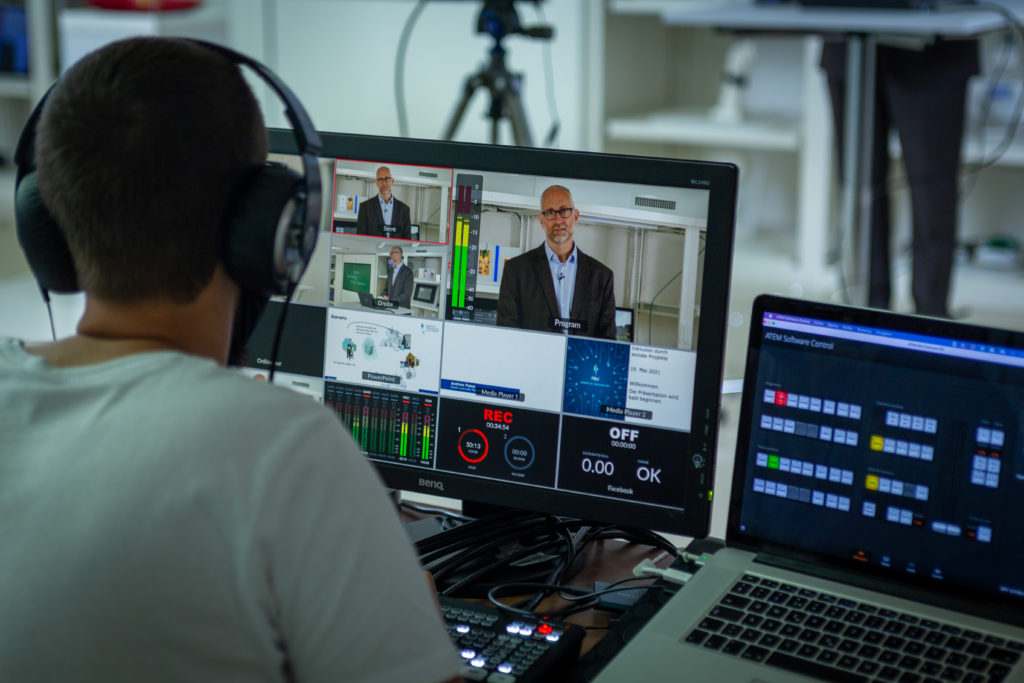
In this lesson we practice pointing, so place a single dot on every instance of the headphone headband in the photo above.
(268, 240)
(306, 137)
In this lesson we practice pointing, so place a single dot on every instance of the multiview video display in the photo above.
(463, 321)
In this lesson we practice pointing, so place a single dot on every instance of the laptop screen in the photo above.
(886, 443)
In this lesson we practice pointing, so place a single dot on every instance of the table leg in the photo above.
(857, 184)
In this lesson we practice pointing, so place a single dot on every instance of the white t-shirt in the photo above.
(165, 519)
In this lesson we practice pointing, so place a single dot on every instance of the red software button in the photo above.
(544, 629)
(780, 398)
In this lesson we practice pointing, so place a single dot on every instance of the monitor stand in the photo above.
(477, 510)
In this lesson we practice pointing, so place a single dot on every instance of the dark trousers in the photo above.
(921, 93)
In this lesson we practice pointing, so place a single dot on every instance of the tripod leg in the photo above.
(472, 83)
(516, 115)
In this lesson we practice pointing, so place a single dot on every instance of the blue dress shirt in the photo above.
(563, 276)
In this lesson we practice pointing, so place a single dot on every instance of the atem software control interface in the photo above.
(445, 391)
(905, 445)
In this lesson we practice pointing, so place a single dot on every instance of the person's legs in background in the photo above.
(930, 121)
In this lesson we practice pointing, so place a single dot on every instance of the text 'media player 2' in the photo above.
(504, 379)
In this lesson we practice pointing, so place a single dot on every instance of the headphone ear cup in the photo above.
(41, 239)
(266, 244)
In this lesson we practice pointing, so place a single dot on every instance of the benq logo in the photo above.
(432, 484)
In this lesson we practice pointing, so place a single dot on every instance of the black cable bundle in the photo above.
(522, 553)
(469, 558)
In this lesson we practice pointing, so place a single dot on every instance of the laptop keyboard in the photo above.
(827, 636)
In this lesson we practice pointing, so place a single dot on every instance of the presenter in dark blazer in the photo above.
(398, 287)
(556, 287)
(384, 215)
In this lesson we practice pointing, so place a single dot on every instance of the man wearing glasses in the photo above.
(384, 215)
(398, 286)
(556, 287)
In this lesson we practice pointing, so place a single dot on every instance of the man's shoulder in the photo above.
(276, 419)
(221, 390)
(253, 385)
(184, 389)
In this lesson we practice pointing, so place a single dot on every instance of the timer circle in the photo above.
(473, 445)
(519, 453)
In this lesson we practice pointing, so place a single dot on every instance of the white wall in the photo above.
(339, 57)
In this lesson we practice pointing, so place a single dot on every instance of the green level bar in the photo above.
(376, 434)
(464, 260)
(457, 271)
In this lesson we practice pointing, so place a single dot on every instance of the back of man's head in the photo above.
(140, 148)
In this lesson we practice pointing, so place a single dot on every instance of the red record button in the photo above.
(544, 629)
(472, 445)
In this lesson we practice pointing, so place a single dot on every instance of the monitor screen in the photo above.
(624, 324)
(355, 277)
(425, 292)
(516, 387)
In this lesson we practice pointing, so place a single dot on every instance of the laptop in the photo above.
(368, 301)
(876, 528)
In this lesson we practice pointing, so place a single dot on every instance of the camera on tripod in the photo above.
(499, 19)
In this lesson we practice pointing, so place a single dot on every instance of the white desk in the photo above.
(863, 30)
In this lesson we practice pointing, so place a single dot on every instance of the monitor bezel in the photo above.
(692, 518)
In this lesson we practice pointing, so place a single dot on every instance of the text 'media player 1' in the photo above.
(555, 286)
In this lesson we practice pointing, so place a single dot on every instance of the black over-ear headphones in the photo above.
(267, 240)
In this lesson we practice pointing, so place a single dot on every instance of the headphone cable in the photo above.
(278, 333)
(49, 311)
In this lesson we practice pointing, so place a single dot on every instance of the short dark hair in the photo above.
(140, 147)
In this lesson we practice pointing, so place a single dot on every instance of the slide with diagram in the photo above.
(382, 350)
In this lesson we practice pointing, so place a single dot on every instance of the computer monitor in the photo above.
(495, 394)
(624, 324)
(425, 293)
(355, 277)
